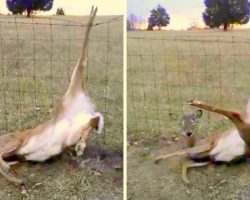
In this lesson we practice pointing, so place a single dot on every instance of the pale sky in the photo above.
(182, 12)
(81, 7)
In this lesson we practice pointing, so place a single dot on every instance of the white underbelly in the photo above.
(52, 140)
(229, 147)
(65, 132)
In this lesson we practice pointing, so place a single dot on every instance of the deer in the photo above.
(187, 123)
(73, 121)
(226, 147)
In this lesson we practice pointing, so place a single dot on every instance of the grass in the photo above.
(165, 70)
(37, 56)
(37, 62)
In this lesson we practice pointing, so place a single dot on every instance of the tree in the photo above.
(60, 11)
(226, 12)
(158, 17)
(129, 26)
(20, 6)
(132, 20)
(15, 7)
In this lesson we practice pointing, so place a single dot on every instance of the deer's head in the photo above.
(188, 123)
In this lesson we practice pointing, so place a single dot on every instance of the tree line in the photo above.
(217, 13)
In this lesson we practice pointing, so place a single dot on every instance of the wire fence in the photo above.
(37, 57)
(166, 71)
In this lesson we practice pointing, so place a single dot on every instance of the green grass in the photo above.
(36, 62)
(168, 68)
(165, 70)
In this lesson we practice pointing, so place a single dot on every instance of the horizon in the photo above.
(182, 14)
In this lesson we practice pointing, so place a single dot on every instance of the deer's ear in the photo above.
(173, 116)
(198, 113)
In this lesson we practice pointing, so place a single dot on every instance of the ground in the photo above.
(165, 70)
(66, 178)
(37, 56)
(163, 180)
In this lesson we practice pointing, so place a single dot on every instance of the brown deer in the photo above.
(74, 120)
(188, 123)
(226, 147)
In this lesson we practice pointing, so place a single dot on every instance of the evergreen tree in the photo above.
(225, 12)
(158, 17)
(19, 6)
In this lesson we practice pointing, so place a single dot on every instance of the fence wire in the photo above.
(37, 57)
(165, 72)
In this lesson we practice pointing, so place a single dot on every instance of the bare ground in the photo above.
(163, 181)
(96, 175)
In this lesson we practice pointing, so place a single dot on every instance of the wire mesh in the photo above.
(165, 72)
(37, 57)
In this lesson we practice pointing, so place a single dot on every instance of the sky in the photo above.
(182, 12)
(81, 7)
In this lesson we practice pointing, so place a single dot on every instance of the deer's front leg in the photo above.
(203, 148)
(190, 164)
(80, 146)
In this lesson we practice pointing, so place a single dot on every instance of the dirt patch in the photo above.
(147, 180)
(96, 175)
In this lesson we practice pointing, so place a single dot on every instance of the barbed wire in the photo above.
(68, 22)
(37, 59)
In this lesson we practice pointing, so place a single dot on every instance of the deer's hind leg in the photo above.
(8, 145)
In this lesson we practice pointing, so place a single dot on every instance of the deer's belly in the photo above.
(228, 148)
(53, 139)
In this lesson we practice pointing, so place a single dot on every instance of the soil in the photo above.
(95, 176)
